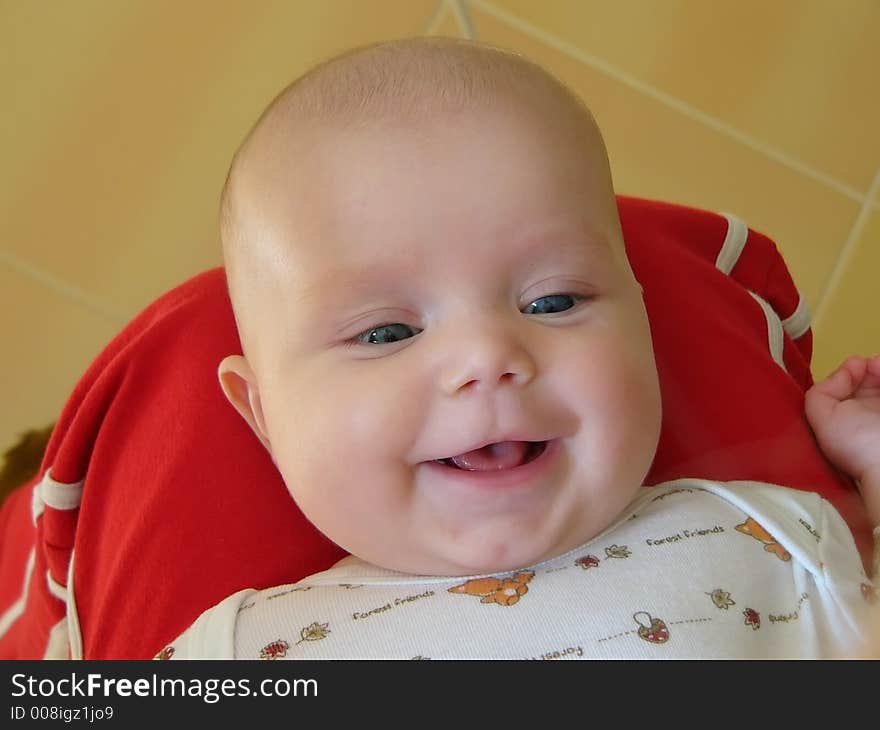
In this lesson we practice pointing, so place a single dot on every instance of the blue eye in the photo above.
(387, 333)
(551, 304)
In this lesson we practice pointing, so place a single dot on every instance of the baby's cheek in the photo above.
(386, 413)
(614, 385)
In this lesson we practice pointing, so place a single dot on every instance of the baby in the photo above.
(447, 355)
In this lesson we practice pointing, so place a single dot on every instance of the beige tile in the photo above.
(800, 75)
(111, 180)
(47, 61)
(49, 341)
(849, 324)
(658, 153)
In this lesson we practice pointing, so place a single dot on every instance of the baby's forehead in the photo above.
(278, 165)
(310, 216)
(354, 94)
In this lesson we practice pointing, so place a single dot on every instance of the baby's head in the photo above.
(445, 349)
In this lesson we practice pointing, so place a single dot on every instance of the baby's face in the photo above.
(453, 359)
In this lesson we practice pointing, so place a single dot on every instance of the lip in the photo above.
(482, 444)
(501, 478)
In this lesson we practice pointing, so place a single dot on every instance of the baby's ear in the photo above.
(240, 387)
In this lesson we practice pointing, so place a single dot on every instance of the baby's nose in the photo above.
(487, 358)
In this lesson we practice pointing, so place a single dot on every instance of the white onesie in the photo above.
(693, 569)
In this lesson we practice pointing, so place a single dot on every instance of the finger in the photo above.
(841, 383)
(821, 400)
(866, 376)
(856, 366)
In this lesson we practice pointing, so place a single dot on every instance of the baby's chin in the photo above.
(506, 557)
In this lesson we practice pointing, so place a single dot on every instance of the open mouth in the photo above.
(497, 456)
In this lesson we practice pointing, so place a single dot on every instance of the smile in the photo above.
(518, 466)
(496, 456)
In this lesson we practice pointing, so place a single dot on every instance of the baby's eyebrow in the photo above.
(353, 283)
(347, 283)
(567, 245)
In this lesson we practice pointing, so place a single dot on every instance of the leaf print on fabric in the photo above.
(753, 618)
(314, 632)
(618, 551)
(587, 561)
(721, 599)
(275, 650)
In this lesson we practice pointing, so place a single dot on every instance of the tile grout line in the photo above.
(462, 19)
(668, 100)
(435, 18)
(61, 288)
(846, 251)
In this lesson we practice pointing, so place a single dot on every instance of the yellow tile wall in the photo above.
(120, 119)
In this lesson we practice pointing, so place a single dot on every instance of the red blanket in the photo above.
(155, 500)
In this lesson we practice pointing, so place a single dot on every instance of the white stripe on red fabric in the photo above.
(56, 646)
(55, 588)
(11, 614)
(775, 333)
(734, 243)
(54, 494)
(59, 495)
(74, 634)
(795, 325)
(799, 321)
(36, 503)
